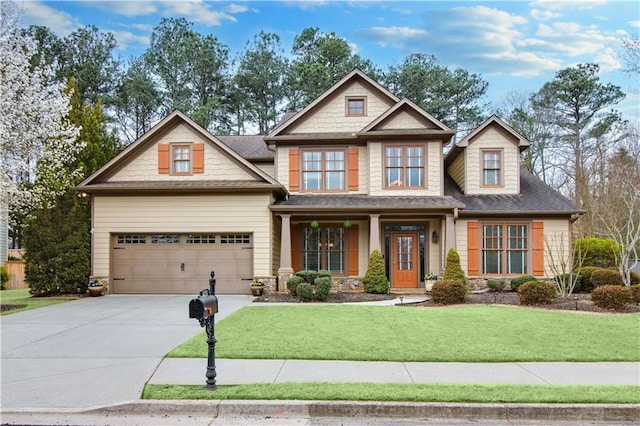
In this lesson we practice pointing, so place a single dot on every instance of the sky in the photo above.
(516, 46)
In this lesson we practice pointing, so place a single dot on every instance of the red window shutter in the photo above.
(294, 169)
(353, 259)
(472, 248)
(296, 236)
(353, 168)
(198, 158)
(163, 158)
(538, 248)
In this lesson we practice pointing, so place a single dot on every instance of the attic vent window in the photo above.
(356, 107)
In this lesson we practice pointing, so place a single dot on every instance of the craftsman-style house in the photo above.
(355, 171)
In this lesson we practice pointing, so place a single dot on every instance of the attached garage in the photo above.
(164, 263)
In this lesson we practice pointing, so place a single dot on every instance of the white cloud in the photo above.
(129, 8)
(196, 11)
(567, 4)
(127, 40)
(38, 13)
(400, 37)
(544, 15)
(608, 60)
(635, 24)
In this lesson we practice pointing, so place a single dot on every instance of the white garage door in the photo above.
(181, 263)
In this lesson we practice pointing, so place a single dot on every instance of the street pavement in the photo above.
(65, 363)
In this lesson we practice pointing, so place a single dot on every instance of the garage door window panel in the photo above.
(132, 239)
(165, 239)
(201, 239)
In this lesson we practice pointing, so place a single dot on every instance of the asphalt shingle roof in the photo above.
(368, 202)
(252, 148)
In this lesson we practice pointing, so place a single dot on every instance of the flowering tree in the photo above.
(36, 139)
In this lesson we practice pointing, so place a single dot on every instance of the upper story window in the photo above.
(404, 166)
(181, 157)
(492, 168)
(356, 107)
(323, 170)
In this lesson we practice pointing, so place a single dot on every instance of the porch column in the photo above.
(450, 234)
(286, 269)
(374, 233)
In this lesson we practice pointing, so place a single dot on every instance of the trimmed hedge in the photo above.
(323, 287)
(304, 291)
(448, 292)
(585, 272)
(517, 282)
(606, 277)
(309, 276)
(599, 252)
(537, 293)
(292, 284)
(635, 293)
(612, 297)
(375, 280)
(497, 285)
(452, 270)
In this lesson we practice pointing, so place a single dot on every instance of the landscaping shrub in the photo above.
(606, 277)
(537, 293)
(292, 284)
(564, 280)
(323, 287)
(448, 292)
(304, 291)
(4, 277)
(452, 270)
(375, 280)
(613, 297)
(309, 276)
(517, 282)
(599, 252)
(324, 273)
(585, 272)
(635, 293)
(497, 285)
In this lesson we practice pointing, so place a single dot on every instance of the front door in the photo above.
(404, 268)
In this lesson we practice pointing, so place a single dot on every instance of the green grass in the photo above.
(403, 392)
(22, 297)
(454, 334)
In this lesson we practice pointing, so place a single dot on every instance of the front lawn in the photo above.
(452, 334)
(12, 301)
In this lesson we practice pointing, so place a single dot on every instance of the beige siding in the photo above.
(376, 170)
(491, 138)
(218, 164)
(557, 235)
(363, 247)
(182, 214)
(268, 169)
(456, 171)
(461, 245)
(434, 262)
(331, 117)
(404, 120)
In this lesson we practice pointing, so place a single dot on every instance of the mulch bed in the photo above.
(576, 302)
(4, 308)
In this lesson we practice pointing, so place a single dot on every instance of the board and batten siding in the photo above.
(237, 213)
(331, 116)
(144, 167)
(492, 139)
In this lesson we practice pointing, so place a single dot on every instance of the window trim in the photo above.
(500, 168)
(324, 252)
(323, 170)
(349, 99)
(404, 167)
(505, 248)
(173, 148)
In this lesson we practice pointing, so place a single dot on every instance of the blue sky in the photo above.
(514, 45)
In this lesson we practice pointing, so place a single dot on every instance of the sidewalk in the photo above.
(189, 371)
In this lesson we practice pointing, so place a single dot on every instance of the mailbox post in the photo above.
(203, 308)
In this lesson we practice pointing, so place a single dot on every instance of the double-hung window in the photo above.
(404, 166)
(492, 168)
(181, 157)
(323, 170)
(324, 248)
(504, 249)
(356, 107)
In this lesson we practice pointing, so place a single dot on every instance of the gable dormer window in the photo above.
(404, 166)
(492, 168)
(356, 106)
(181, 157)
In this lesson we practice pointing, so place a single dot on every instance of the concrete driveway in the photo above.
(94, 351)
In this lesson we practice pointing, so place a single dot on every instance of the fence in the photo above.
(16, 275)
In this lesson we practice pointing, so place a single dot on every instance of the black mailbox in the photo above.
(203, 307)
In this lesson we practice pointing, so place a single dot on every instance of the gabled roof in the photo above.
(356, 74)
(535, 197)
(252, 148)
(98, 179)
(433, 125)
(522, 142)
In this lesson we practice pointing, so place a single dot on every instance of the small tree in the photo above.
(563, 262)
(453, 271)
(375, 280)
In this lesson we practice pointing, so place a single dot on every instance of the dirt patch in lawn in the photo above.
(576, 302)
(4, 308)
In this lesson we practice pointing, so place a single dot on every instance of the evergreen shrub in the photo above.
(304, 291)
(308, 275)
(599, 252)
(375, 280)
(585, 272)
(517, 282)
(635, 293)
(292, 284)
(497, 285)
(448, 292)
(612, 297)
(606, 277)
(324, 273)
(537, 293)
(323, 287)
(453, 271)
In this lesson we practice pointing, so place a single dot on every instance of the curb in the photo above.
(416, 410)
